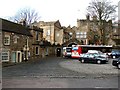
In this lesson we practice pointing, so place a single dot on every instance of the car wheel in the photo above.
(82, 61)
(98, 62)
(118, 66)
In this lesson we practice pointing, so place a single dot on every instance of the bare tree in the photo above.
(27, 15)
(104, 11)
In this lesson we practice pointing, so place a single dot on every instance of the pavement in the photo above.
(7, 64)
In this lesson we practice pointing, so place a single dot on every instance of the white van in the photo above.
(67, 51)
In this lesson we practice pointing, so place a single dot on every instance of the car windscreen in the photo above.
(116, 51)
(68, 49)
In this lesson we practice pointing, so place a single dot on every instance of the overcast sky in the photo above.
(66, 11)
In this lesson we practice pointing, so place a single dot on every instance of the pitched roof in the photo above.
(35, 28)
(9, 26)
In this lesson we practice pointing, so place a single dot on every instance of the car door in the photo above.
(86, 57)
(92, 58)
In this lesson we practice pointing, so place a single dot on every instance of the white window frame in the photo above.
(36, 50)
(7, 55)
(48, 33)
(85, 36)
(7, 43)
(58, 34)
(70, 33)
(85, 33)
(77, 35)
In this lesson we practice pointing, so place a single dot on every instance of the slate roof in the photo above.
(9, 26)
(36, 28)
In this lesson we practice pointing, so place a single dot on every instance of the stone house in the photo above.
(15, 41)
(52, 34)
(37, 50)
(52, 31)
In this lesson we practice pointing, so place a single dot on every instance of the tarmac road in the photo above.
(56, 72)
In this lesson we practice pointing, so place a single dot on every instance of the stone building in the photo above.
(89, 30)
(52, 34)
(52, 31)
(15, 41)
(115, 36)
(37, 50)
(69, 36)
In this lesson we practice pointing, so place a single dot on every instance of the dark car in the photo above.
(115, 53)
(93, 58)
(116, 62)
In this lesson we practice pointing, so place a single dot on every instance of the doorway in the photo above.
(13, 57)
(58, 52)
(19, 56)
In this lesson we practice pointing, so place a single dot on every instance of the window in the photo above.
(7, 40)
(15, 39)
(70, 33)
(37, 36)
(5, 56)
(77, 35)
(83, 34)
(37, 51)
(48, 32)
(58, 34)
(48, 40)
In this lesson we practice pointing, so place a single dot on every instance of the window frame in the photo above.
(36, 50)
(7, 42)
(5, 56)
(48, 32)
(37, 36)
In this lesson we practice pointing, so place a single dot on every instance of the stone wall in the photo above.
(17, 43)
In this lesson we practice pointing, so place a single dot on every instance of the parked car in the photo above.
(116, 62)
(93, 58)
(115, 53)
(98, 52)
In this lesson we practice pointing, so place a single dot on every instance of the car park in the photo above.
(93, 58)
(116, 62)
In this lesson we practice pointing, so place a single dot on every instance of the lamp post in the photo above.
(26, 49)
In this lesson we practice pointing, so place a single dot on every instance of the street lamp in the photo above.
(26, 49)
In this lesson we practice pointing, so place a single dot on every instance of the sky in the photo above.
(66, 11)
